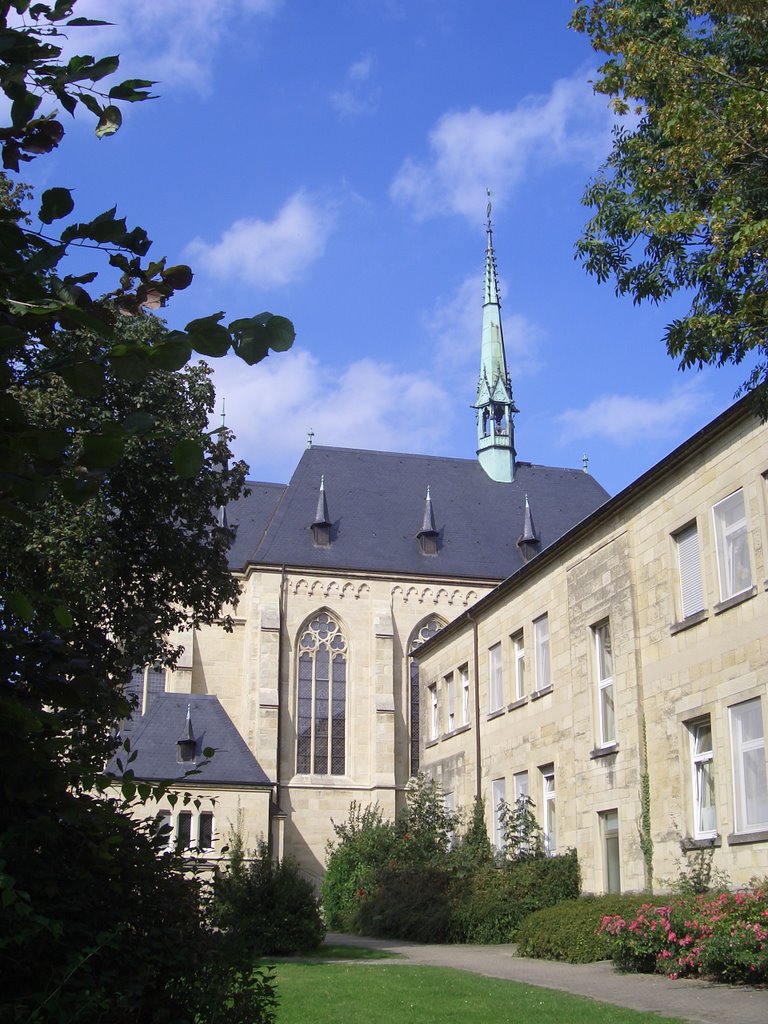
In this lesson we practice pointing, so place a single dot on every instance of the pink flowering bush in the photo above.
(722, 936)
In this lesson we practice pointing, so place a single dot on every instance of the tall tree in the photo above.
(109, 485)
(681, 204)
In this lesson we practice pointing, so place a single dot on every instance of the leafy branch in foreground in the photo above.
(681, 204)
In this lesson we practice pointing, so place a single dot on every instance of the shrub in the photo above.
(265, 907)
(493, 902)
(410, 903)
(570, 930)
(723, 936)
(365, 844)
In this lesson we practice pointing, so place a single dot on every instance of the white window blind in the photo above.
(689, 564)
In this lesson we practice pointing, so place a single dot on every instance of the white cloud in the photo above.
(175, 42)
(268, 253)
(473, 149)
(629, 419)
(367, 404)
(356, 96)
(455, 324)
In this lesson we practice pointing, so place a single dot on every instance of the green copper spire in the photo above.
(494, 403)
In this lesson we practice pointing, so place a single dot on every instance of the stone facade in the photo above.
(640, 733)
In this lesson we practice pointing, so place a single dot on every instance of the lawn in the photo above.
(317, 993)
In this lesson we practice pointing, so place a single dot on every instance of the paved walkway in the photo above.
(700, 1002)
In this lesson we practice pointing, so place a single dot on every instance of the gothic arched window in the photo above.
(427, 629)
(321, 712)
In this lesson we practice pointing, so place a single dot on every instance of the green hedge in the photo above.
(568, 931)
(492, 903)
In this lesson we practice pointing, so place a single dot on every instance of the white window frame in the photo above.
(495, 679)
(543, 652)
(518, 650)
(549, 802)
(732, 546)
(689, 570)
(609, 834)
(521, 785)
(464, 681)
(750, 783)
(434, 712)
(450, 701)
(498, 794)
(606, 692)
(702, 778)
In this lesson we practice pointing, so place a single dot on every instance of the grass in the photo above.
(317, 993)
(352, 953)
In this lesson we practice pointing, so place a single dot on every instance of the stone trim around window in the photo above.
(538, 694)
(519, 703)
(743, 838)
(731, 602)
(495, 714)
(692, 620)
(606, 751)
(710, 843)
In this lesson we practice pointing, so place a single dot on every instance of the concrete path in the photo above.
(700, 1002)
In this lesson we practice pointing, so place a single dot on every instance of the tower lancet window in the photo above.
(321, 714)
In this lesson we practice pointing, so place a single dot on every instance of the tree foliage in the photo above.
(109, 486)
(681, 204)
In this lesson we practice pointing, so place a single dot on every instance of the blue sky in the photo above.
(328, 160)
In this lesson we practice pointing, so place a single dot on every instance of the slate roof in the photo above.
(375, 503)
(154, 735)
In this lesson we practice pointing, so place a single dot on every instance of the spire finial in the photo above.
(585, 462)
(488, 209)
(310, 435)
(223, 412)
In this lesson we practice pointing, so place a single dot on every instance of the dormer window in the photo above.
(186, 744)
(428, 536)
(321, 527)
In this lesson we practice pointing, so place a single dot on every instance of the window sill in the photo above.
(430, 743)
(456, 732)
(731, 602)
(606, 751)
(538, 694)
(742, 838)
(519, 703)
(496, 714)
(690, 620)
(711, 842)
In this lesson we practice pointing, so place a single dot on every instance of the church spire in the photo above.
(494, 403)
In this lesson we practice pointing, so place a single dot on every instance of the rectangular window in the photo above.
(163, 829)
(689, 569)
(498, 796)
(184, 830)
(434, 715)
(604, 669)
(205, 831)
(732, 547)
(496, 679)
(749, 775)
(450, 699)
(550, 809)
(521, 785)
(609, 828)
(464, 683)
(541, 642)
(703, 779)
(518, 649)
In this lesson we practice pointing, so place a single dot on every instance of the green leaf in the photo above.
(20, 605)
(178, 277)
(109, 122)
(171, 354)
(56, 203)
(102, 68)
(258, 334)
(78, 491)
(85, 379)
(187, 458)
(281, 333)
(100, 452)
(132, 90)
(208, 337)
(23, 108)
(139, 422)
(63, 617)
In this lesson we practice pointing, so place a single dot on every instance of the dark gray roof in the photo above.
(376, 507)
(153, 738)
